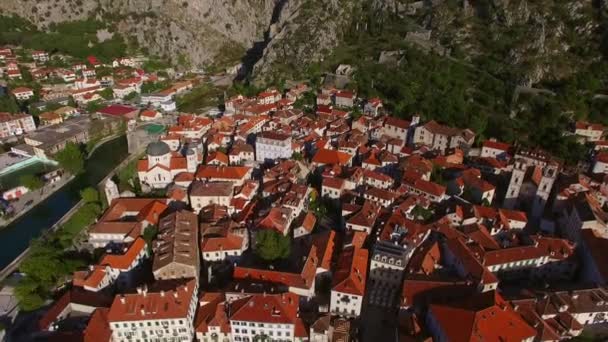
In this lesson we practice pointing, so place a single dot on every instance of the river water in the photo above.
(16, 237)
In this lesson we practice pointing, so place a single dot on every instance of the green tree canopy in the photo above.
(271, 245)
(31, 182)
(71, 158)
(90, 195)
(27, 293)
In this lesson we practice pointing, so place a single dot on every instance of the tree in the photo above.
(27, 295)
(296, 156)
(149, 235)
(8, 104)
(31, 182)
(71, 158)
(271, 245)
(90, 195)
(107, 93)
(130, 96)
(127, 175)
(317, 206)
(94, 106)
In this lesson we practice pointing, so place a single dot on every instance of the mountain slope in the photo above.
(194, 32)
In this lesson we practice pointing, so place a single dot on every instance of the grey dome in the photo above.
(190, 152)
(157, 149)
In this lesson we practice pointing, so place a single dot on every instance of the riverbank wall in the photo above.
(14, 265)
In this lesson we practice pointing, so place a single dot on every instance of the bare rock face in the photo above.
(44, 12)
(192, 32)
(306, 31)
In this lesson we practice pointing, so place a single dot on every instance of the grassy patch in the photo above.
(199, 98)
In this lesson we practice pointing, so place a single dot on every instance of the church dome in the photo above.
(157, 149)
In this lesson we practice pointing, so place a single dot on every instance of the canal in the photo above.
(16, 237)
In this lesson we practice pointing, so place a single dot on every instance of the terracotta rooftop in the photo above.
(170, 301)
(351, 272)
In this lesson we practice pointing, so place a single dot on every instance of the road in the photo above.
(29, 200)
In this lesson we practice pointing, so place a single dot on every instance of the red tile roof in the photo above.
(396, 122)
(117, 110)
(154, 304)
(485, 317)
(98, 328)
(552, 248)
(496, 145)
(75, 295)
(274, 309)
(124, 261)
(351, 272)
(429, 187)
(589, 126)
(222, 172)
(325, 156)
(219, 156)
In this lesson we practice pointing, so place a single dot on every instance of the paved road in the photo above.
(23, 204)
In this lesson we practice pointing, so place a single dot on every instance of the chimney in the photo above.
(122, 299)
(162, 293)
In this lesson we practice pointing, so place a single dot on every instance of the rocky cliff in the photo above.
(527, 40)
(306, 31)
(194, 32)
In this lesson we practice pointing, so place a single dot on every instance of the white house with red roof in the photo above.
(267, 317)
(441, 137)
(162, 165)
(429, 190)
(23, 93)
(235, 174)
(331, 157)
(125, 220)
(396, 128)
(494, 149)
(40, 56)
(165, 312)
(150, 115)
(224, 240)
(588, 131)
(600, 164)
(484, 317)
(345, 99)
(191, 126)
(66, 75)
(113, 268)
(373, 107)
(272, 145)
(348, 285)
(377, 179)
(269, 96)
(332, 187)
(89, 72)
(15, 124)
(212, 317)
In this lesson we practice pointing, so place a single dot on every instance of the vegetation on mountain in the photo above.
(76, 38)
